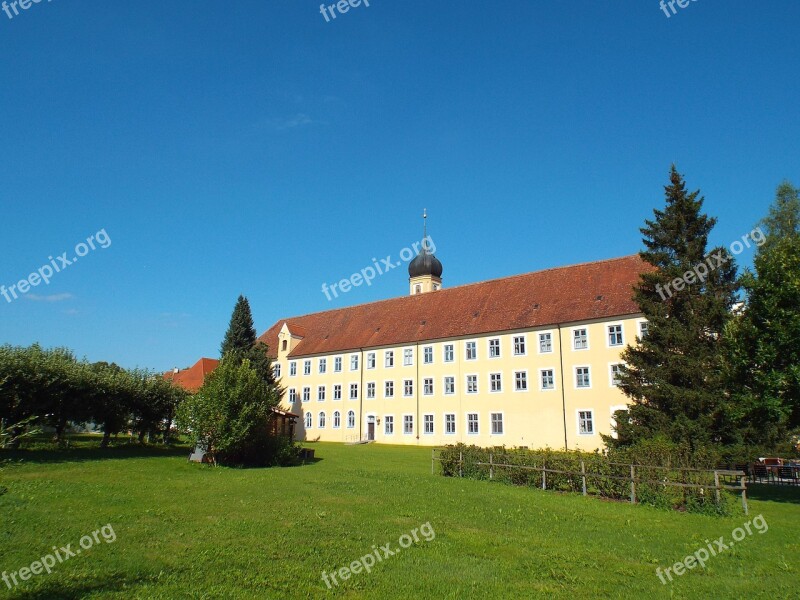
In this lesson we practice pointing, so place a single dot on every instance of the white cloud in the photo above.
(50, 298)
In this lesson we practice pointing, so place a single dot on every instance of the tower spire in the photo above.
(425, 229)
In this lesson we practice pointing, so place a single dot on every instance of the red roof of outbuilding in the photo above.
(581, 292)
(192, 379)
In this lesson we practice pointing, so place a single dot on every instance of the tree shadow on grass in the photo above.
(59, 590)
(774, 493)
(41, 456)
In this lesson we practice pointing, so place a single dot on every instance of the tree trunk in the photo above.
(106, 439)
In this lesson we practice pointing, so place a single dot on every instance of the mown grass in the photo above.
(191, 531)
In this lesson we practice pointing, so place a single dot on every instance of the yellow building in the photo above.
(527, 360)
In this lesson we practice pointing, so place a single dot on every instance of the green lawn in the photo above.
(189, 531)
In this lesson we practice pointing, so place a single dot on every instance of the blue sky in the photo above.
(253, 147)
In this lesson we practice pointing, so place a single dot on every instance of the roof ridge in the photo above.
(464, 285)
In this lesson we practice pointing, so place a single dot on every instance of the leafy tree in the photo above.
(230, 415)
(673, 376)
(764, 343)
(241, 334)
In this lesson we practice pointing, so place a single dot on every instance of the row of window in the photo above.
(580, 341)
(583, 380)
(472, 424)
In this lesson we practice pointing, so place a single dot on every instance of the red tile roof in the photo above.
(192, 379)
(582, 292)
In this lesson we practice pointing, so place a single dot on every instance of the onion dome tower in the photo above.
(425, 271)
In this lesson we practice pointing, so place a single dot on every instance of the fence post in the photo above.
(544, 474)
(433, 459)
(583, 476)
(460, 463)
(716, 486)
(633, 485)
(744, 494)
(491, 466)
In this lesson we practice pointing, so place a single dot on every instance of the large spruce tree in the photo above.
(764, 343)
(241, 334)
(674, 376)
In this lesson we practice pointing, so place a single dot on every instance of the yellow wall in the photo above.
(533, 418)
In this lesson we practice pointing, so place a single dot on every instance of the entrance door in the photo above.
(371, 429)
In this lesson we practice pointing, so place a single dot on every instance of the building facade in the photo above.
(528, 360)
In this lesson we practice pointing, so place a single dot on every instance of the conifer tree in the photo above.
(674, 375)
(241, 334)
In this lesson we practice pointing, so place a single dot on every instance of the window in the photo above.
(337, 364)
(389, 389)
(449, 385)
(580, 339)
(371, 389)
(408, 387)
(427, 355)
(321, 393)
(308, 420)
(408, 424)
(496, 380)
(615, 335)
(284, 345)
(521, 381)
(388, 425)
(418, 289)
(582, 377)
(472, 350)
(615, 372)
(292, 395)
(619, 414)
(519, 345)
(644, 328)
(448, 353)
(306, 367)
(353, 391)
(351, 419)
(450, 424)
(337, 392)
(497, 423)
(428, 387)
(428, 424)
(545, 343)
(472, 384)
(276, 370)
(494, 348)
(388, 359)
(321, 421)
(408, 357)
(472, 424)
(323, 365)
(354, 362)
(548, 380)
(585, 422)
(306, 394)
(337, 420)
(292, 368)
(371, 360)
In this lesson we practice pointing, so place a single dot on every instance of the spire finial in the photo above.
(424, 229)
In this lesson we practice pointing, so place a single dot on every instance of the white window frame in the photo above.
(293, 368)
(477, 386)
(495, 344)
(477, 423)
(322, 392)
(372, 390)
(453, 378)
(292, 395)
(621, 333)
(427, 353)
(527, 387)
(451, 348)
(322, 419)
(388, 420)
(541, 379)
(371, 360)
(354, 362)
(408, 357)
(306, 367)
(353, 386)
(639, 324)
(474, 346)
(337, 364)
(495, 377)
(613, 421)
(337, 419)
(276, 370)
(575, 378)
(578, 421)
(492, 422)
(351, 419)
(406, 419)
(386, 385)
(388, 359)
(406, 393)
(426, 422)
(611, 373)
(307, 394)
(539, 335)
(514, 344)
(337, 387)
(446, 423)
(427, 383)
(322, 366)
(309, 420)
(576, 329)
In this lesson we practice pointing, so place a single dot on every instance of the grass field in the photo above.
(189, 531)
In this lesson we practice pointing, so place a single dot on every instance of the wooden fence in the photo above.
(722, 477)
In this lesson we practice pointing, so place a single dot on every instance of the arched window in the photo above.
(308, 420)
(322, 420)
(351, 419)
(337, 420)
